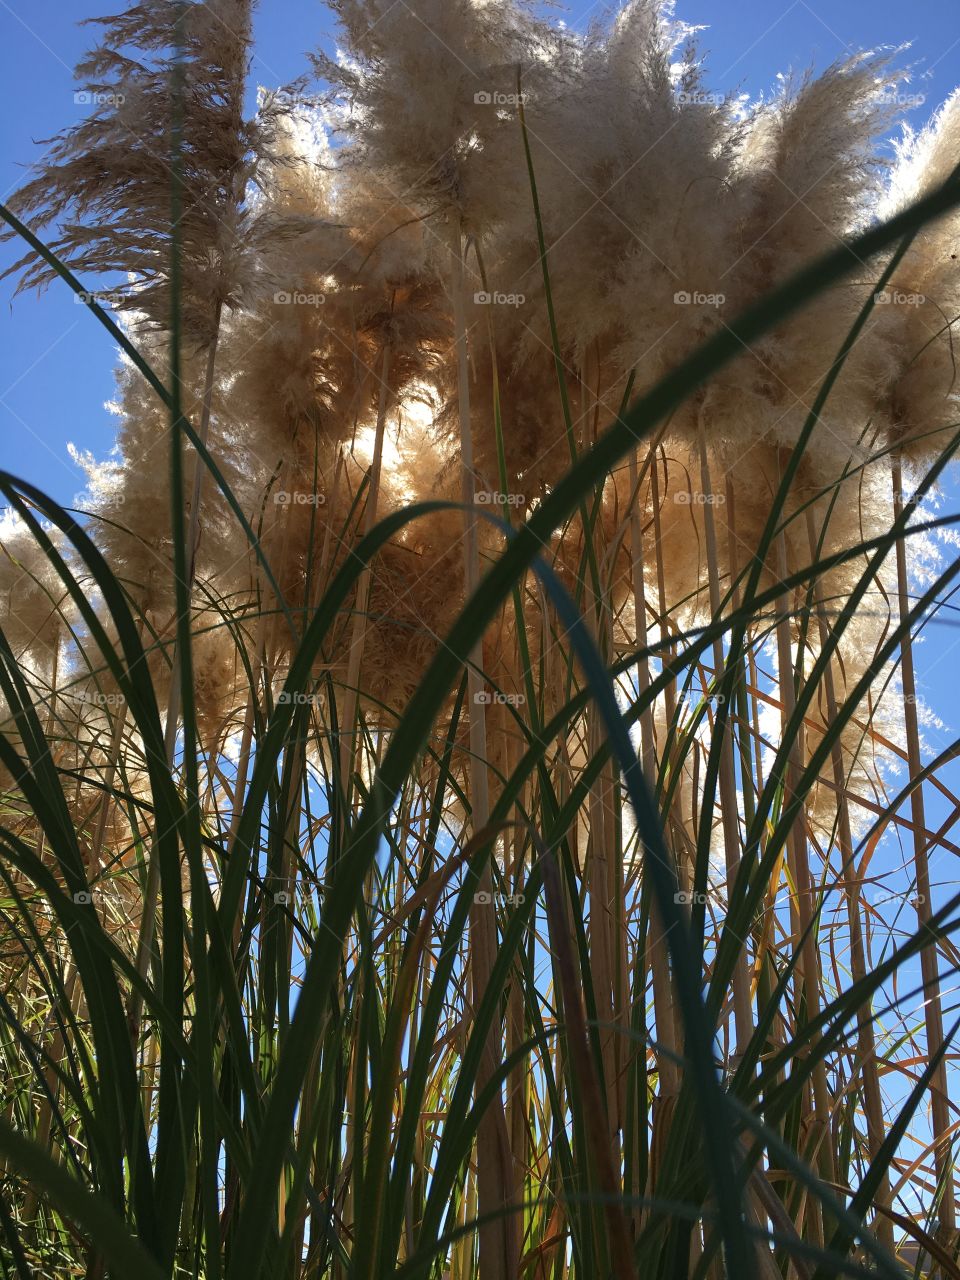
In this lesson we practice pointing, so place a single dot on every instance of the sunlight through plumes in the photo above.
(558, 880)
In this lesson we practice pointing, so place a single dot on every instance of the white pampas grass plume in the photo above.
(919, 320)
(104, 184)
(33, 599)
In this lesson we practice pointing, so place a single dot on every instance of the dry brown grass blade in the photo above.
(808, 971)
(867, 1049)
(933, 1012)
(742, 1003)
(581, 1063)
(499, 1242)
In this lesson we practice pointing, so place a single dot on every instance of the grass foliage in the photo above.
(549, 946)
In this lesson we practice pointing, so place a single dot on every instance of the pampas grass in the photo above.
(354, 952)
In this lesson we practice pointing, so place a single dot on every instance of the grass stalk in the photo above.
(498, 1243)
(930, 968)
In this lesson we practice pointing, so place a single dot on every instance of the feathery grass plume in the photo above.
(33, 602)
(634, 216)
(595, 217)
(457, 153)
(622, 158)
(282, 371)
(919, 415)
(104, 184)
(393, 308)
(806, 173)
(284, 362)
(391, 292)
(841, 514)
(384, 326)
(218, 679)
(923, 297)
(803, 174)
(129, 503)
(446, 148)
(334, 295)
(610, 193)
(105, 188)
(34, 618)
(646, 154)
(446, 155)
(417, 585)
(765, 224)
